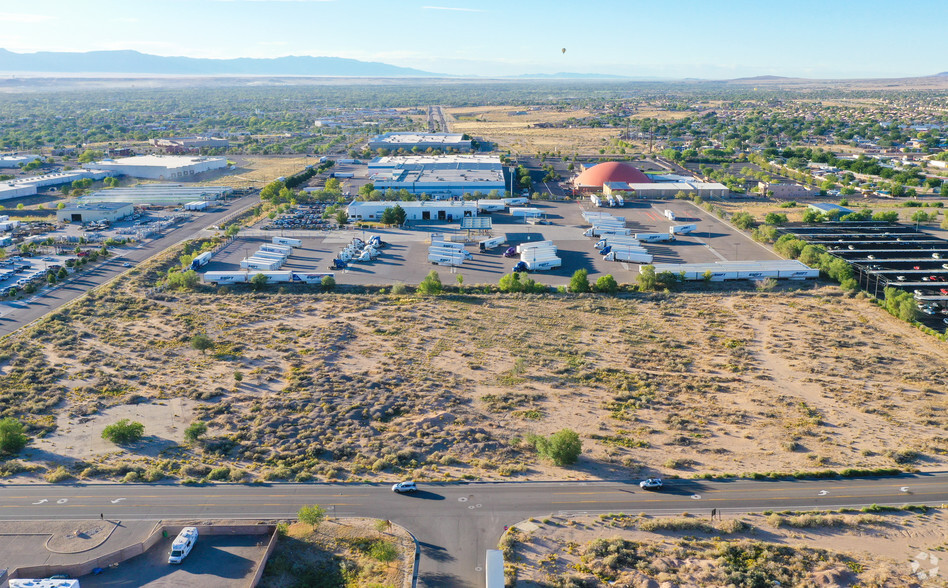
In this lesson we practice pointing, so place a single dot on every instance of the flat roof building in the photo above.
(10, 190)
(473, 161)
(824, 207)
(440, 177)
(421, 141)
(158, 194)
(13, 161)
(181, 144)
(159, 167)
(414, 210)
(668, 189)
(102, 211)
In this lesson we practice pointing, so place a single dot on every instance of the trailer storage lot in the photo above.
(405, 259)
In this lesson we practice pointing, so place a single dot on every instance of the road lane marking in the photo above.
(759, 490)
(674, 499)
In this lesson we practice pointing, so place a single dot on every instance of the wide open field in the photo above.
(349, 386)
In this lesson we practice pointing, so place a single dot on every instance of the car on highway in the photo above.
(403, 487)
(126, 264)
(651, 484)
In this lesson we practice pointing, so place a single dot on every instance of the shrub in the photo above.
(12, 437)
(201, 342)
(743, 220)
(195, 431)
(383, 551)
(579, 282)
(607, 284)
(60, 474)
(311, 515)
(563, 447)
(431, 285)
(123, 432)
(328, 283)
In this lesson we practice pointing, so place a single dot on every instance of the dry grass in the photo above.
(356, 387)
(347, 552)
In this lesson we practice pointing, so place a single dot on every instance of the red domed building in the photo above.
(592, 179)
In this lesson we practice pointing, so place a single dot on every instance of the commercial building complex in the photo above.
(103, 211)
(159, 167)
(183, 144)
(440, 177)
(414, 211)
(421, 141)
(14, 161)
(30, 185)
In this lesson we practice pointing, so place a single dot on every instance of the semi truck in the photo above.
(628, 255)
(538, 264)
(491, 206)
(654, 237)
(201, 259)
(608, 240)
(287, 241)
(491, 243)
(445, 258)
(225, 277)
(595, 201)
(682, 229)
(600, 230)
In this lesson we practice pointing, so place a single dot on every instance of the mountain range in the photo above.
(134, 62)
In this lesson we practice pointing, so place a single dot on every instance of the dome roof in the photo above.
(611, 171)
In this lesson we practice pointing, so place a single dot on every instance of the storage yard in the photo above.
(409, 254)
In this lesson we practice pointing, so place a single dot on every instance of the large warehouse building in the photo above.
(420, 141)
(440, 177)
(86, 213)
(592, 178)
(160, 167)
(14, 161)
(30, 185)
(414, 211)
(158, 194)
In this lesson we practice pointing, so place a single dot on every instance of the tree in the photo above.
(775, 218)
(431, 285)
(342, 218)
(328, 283)
(812, 216)
(400, 215)
(259, 281)
(890, 216)
(311, 515)
(12, 436)
(460, 280)
(333, 185)
(607, 284)
(563, 447)
(89, 155)
(646, 279)
(388, 216)
(202, 343)
(123, 432)
(920, 216)
(579, 282)
(195, 431)
(743, 220)
(366, 190)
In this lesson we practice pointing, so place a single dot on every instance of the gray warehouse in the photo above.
(421, 141)
(102, 211)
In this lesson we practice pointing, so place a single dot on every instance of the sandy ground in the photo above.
(887, 549)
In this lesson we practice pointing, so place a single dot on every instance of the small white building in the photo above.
(160, 167)
(10, 190)
(101, 211)
(14, 161)
(414, 211)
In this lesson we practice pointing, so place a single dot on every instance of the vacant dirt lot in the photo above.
(303, 386)
(829, 549)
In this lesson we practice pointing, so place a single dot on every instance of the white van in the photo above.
(183, 544)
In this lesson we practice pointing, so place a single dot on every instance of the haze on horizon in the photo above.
(694, 39)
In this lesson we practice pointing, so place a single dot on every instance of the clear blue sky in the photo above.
(658, 38)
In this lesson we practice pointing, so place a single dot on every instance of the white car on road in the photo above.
(651, 484)
(402, 487)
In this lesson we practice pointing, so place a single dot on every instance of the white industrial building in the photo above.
(30, 185)
(102, 211)
(423, 141)
(440, 177)
(10, 190)
(414, 211)
(158, 194)
(160, 167)
(14, 161)
(670, 189)
(189, 143)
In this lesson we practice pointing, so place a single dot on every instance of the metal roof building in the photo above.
(14, 161)
(740, 270)
(159, 167)
(158, 194)
(423, 141)
(439, 177)
(84, 213)
(414, 210)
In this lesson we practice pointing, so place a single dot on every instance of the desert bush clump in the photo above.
(563, 447)
(123, 432)
(431, 285)
(12, 436)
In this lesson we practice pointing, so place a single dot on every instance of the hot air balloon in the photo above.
(564, 49)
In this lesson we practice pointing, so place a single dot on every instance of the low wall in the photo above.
(77, 570)
(263, 562)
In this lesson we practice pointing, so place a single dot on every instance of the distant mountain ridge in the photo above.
(134, 62)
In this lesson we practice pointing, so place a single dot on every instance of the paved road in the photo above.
(456, 523)
(15, 314)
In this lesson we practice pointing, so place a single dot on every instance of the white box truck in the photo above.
(654, 237)
(670, 215)
(682, 229)
(491, 243)
(596, 201)
(183, 544)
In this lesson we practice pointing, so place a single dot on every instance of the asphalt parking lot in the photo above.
(217, 561)
(405, 258)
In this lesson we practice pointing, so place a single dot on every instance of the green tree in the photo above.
(12, 435)
(90, 155)
(195, 431)
(460, 280)
(202, 343)
(123, 432)
(388, 216)
(774, 218)
(579, 282)
(400, 215)
(563, 447)
(183, 280)
(743, 220)
(812, 216)
(921, 216)
(342, 218)
(333, 185)
(311, 515)
(259, 281)
(646, 279)
(431, 285)
(366, 190)
(607, 284)
(328, 283)
(891, 216)
(810, 255)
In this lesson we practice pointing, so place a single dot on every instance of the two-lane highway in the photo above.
(456, 523)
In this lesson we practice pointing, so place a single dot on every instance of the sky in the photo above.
(711, 39)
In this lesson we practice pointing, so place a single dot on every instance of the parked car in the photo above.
(403, 487)
(651, 484)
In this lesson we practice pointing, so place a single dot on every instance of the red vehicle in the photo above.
(83, 254)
